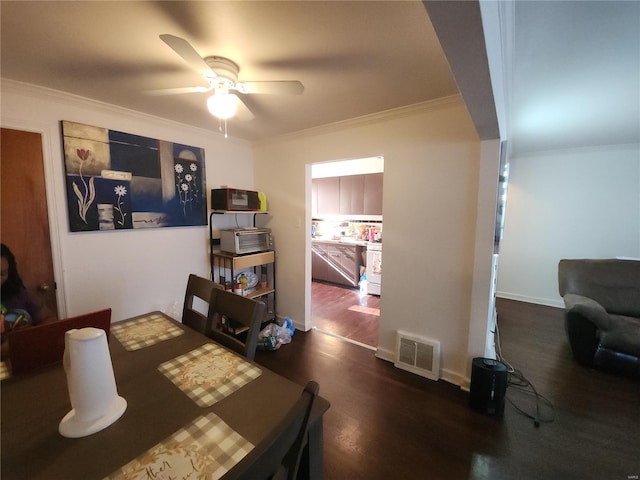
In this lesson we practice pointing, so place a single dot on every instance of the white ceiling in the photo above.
(575, 74)
(571, 69)
(354, 58)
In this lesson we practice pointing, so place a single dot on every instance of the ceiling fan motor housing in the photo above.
(223, 68)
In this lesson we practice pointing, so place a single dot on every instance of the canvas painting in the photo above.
(117, 180)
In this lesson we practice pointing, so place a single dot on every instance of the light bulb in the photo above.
(223, 104)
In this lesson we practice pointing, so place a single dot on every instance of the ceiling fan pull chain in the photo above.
(225, 127)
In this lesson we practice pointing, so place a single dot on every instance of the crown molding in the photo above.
(49, 94)
(385, 115)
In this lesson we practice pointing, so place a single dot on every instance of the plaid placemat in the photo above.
(205, 449)
(4, 371)
(209, 373)
(144, 331)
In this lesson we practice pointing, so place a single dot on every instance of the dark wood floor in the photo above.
(385, 423)
(345, 312)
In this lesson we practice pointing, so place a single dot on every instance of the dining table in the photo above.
(192, 406)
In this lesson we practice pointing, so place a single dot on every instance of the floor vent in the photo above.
(418, 355)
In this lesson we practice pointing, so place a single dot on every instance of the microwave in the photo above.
(234, 199)
(246, 240)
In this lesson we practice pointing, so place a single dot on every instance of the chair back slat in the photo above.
(198, 288)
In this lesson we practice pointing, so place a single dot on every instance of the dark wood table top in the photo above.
(33, 405)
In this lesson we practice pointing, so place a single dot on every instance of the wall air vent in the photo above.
(418, 355)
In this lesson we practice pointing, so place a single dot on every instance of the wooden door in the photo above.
(24, 215)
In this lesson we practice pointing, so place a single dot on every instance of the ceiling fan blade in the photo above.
(177, 91)
(188, 53)
(243, 113)
(285, 87)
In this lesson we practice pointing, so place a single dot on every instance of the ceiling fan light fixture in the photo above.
(223, 104)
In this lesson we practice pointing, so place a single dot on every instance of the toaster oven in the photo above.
(246, 240)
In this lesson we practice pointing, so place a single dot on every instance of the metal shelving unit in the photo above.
(225, 266)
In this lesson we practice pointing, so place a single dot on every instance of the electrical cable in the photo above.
(519, 382)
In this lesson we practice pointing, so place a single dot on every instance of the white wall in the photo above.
(581, 203)
(432, 160)
(133, 271)
(431, 170)
(481, 336)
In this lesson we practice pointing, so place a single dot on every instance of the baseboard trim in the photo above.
(386, 354)
(355, 342)
(452, 377)
(446, 375)
(538, 301)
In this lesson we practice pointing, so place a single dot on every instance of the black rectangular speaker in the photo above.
(234, 199)
(488, 386)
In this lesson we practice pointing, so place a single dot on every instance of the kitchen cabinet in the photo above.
(373, 194)
(347, 195)
(323, 267)
(352, 195)
(328, 195)
(336, 262)
(314, 198)
(319, 264)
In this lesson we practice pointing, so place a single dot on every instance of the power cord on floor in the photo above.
(519, 382)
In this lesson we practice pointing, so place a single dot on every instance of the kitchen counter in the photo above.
(342, 241)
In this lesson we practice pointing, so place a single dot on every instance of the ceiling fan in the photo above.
(221, 74)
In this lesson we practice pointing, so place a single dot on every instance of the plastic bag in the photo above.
(288, 324)
(273, 336)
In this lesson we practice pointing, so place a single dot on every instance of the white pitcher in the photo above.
(95, 403)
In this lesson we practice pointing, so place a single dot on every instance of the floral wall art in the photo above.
(117, 180)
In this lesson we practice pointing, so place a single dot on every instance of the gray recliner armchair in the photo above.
(602, 318)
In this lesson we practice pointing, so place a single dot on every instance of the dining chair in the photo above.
(236, 322)
(43, 344)
(196, 311)
(278, 456)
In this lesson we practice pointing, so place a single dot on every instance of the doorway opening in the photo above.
(346, 220)
(346, 313)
